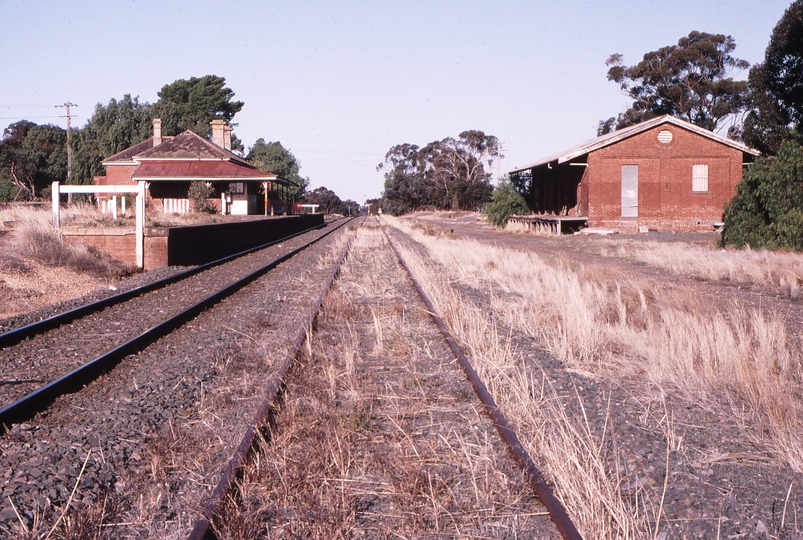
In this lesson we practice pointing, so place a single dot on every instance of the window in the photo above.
(629, 190)
(699, 178)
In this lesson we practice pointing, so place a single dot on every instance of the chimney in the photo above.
(218, 130)
(157, 131)
(227, 138)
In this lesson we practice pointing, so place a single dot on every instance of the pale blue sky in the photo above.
(339, 83)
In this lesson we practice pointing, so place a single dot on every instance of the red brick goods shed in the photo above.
(664, 173)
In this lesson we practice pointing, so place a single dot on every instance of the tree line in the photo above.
(33, 156)
(445, 174)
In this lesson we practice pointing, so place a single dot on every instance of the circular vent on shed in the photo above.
(665, 136)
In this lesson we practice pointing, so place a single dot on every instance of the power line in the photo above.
(28, 117)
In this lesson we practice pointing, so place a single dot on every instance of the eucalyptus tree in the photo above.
(446, 174)
(32, 156)
(691, 80)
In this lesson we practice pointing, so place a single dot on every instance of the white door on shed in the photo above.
(629, 190)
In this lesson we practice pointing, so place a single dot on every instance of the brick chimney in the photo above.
(218, 132)
(157, 131)
(227, 138)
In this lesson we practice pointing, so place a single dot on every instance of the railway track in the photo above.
(87, 328)
(165, 429)
(213, 523)
(162, 397)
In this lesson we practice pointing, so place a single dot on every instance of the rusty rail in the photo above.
(557, 512)
(203, 527)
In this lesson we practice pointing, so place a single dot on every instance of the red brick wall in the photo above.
(665, 197)
(119, 174)
(121, 244)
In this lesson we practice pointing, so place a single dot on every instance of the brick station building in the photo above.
(664, 173)
(170, 164)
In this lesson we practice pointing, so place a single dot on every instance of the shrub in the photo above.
(505, 202)
(199, 194)
(767, 210)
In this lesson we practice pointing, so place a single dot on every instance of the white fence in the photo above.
(139, 205)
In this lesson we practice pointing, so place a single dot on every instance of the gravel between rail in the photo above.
(158, 429)
(45, 357)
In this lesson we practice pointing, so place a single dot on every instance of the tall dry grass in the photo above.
(780, 272)
(574, 457)
(537, 229)
(611, 325)
(34, 237)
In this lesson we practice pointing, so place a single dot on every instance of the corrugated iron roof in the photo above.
(199, 170)
(621, 134)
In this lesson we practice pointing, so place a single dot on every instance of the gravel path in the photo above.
(157, 430)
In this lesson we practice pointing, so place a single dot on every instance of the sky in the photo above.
(341, 82)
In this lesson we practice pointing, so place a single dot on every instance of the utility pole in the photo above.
(67, 104)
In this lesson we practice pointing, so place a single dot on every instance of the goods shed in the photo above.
(664, 173)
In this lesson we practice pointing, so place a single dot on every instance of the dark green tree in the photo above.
(328, 200)
(275, 158)
(446, 174)
(193, 103)
(767, 211)
(777, 86)
(33, 157)
(690, 80)
(505, 202)
(349, 208)
(406, 188)
(111, 129)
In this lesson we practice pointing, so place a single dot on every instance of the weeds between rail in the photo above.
(612, 325)
(371, 440)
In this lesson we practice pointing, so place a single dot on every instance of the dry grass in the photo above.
(574, 457)
(34, 238)
(613, 326)
(536, 229)
(369, 442)
(780, 272)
